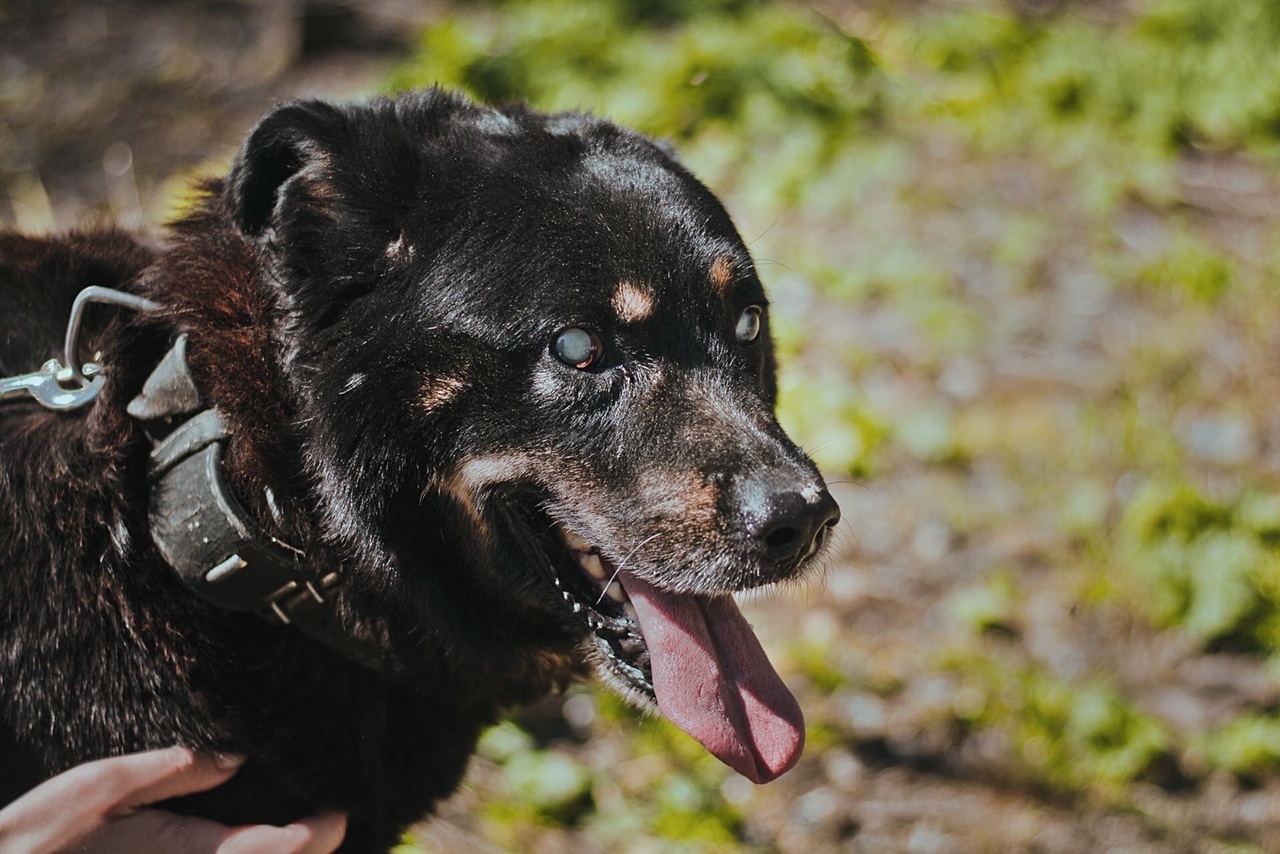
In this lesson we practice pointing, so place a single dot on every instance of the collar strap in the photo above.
(206, 536)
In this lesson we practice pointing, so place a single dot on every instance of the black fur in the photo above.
(371, 299)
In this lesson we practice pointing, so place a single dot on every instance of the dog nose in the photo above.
(791, 525)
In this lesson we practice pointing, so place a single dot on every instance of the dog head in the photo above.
(532, 366)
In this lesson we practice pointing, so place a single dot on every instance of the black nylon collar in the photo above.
(206, 536)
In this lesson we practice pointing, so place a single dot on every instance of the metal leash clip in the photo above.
(46, 386)
(61, 387)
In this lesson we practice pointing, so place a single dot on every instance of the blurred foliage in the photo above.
(1248, 744)
(897, 169)
(1192, 267)
(744, 66)
(1070, 737)
(1207, 566)
(1179, 73)
(670, 788)
(1067, 735)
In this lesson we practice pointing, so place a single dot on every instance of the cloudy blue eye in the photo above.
(577, 348)
(748, 328)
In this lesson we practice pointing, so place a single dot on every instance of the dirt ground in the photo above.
(104, 103)
(105, 107)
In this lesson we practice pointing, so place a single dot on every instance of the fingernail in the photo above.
(227, 761)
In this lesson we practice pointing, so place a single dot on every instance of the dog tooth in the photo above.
(574, 540)
(630, 611)
(632, 646)
(593, 566)
(616, 593)
(577, 608)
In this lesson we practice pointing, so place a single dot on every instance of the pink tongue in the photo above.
(714, 681)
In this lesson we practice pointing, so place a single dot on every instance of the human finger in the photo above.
(319, 834)
(70, 806)
(157, 775)
(161, 832)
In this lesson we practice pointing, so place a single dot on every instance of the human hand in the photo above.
(101, 807)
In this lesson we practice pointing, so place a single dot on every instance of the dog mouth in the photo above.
(590, 585)
(693, 656)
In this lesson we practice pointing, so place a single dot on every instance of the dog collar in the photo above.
(206, 536)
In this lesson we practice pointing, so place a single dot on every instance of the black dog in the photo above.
(493, 390)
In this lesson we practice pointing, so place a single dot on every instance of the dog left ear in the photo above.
(278, 150)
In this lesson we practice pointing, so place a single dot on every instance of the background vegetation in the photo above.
(1022, 259)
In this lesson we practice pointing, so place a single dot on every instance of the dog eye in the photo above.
(578, 348)
(748, 328)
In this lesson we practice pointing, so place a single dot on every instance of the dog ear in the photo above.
(281, 147)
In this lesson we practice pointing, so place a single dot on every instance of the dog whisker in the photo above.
(623, 563)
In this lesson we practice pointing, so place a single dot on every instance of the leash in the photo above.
(209, 541)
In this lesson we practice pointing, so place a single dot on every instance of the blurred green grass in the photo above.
(948, 202)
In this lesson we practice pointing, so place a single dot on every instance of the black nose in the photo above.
(790, 525)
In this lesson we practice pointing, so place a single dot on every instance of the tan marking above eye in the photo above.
(632, 303)
(436, 391)
(399, 250)
(722, 270)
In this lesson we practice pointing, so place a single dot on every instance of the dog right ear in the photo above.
(282, 147)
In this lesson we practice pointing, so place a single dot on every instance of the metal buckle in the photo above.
(290, 597)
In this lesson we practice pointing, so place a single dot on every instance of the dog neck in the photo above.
(216, 302)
